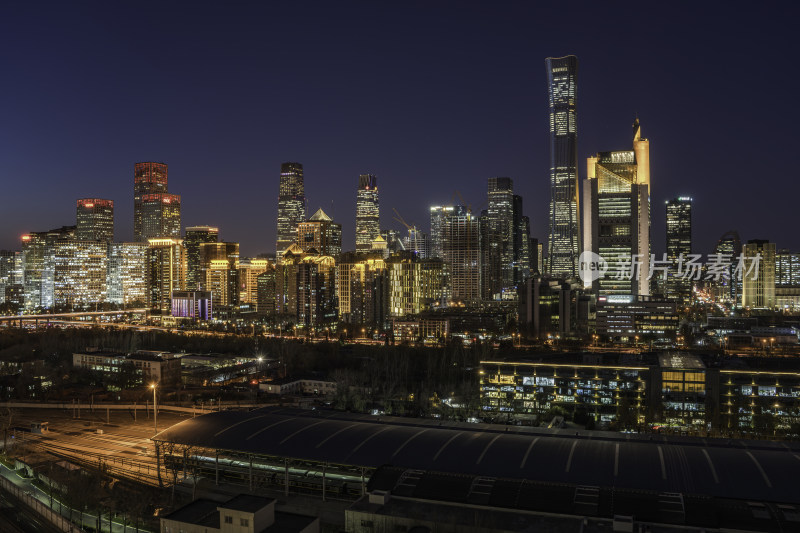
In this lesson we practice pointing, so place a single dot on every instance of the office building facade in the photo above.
(291, 205)
(758, 274)
(95, 220)
(166, 267)
(126, 280)
(161, 216)
(565, 232)
(367, 212)
(460, 242)
(617, 219)
(497, 244)
(148, 178)
(80, 270)
(194, 236)
(321, 234)
(679, 245)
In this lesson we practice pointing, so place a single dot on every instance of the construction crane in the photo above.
(412, 230)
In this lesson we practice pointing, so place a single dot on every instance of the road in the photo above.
(124, 447)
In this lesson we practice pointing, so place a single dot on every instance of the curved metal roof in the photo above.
(729, 469)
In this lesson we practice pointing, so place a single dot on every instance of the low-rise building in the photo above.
(299, 385)
(241, 514)
(675, 389)
(159, 367)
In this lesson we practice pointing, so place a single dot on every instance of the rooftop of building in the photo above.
(738, 469)
(300, 377)
(665, 360)
(201, 512)
(205, 513)
(454, 498)
(246, 503)
(680, 361)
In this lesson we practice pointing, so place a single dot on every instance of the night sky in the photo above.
(432, 97)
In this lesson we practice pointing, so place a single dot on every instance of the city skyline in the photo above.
(461, 145)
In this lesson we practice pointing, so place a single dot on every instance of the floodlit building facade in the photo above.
(617, 218)
(414, 284)
(249, 270)
(95, 220)
(148, 178)
(166, 266)
(758, 274)
(367, 212)
(321, 234)
(565, 232)
(291, 205)
(305, 288)
(362, 286)
(219, 267)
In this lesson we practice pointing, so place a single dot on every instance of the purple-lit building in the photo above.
(192, 304)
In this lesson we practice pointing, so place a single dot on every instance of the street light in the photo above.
(155, 407)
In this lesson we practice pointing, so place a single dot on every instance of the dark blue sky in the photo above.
(432, 97)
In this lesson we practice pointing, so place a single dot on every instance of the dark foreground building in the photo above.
(446, 469)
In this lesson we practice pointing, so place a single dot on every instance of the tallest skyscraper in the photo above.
(564, 244)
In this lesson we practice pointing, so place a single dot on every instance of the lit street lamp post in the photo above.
(155, 407)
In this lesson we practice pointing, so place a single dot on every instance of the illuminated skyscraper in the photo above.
(438, 213)
(291, 205)
(219, 263)
(166, 265)
(787, 279)
(414, 284)
(126, 278)
(79, 273)
(148, 178)
(417, 242)
(564, 244)
(305, 288)
(95, 219)
(360, 278)
(161, 216)
(367, 212)
(758, 288)
(39, 264)
(249, 270)
(617, 219)
(729, 288)
(461, 255)
(679, 242)
(522, 237)
(266, 291)
(6, 272)
(194, 237)
(321, 234)
(497, 248)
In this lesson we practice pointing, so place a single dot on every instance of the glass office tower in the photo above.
(564, 244)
